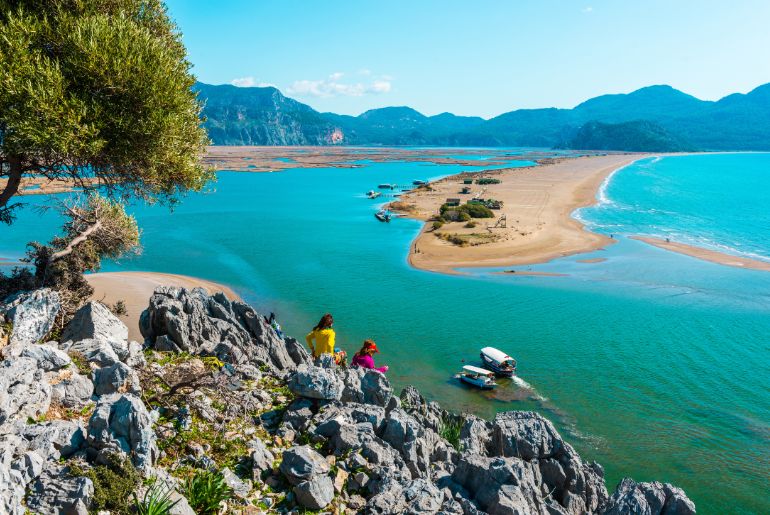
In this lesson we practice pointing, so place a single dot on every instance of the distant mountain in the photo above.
(636, 136)
(263, 116)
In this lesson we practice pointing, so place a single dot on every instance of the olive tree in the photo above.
(98, 93)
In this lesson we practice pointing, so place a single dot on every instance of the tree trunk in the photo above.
(80, 238)
(14, 181)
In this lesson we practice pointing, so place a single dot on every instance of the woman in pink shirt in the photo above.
(364, 357)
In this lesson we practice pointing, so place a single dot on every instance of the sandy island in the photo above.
(706, 254)
(136, 288)
(537, 202)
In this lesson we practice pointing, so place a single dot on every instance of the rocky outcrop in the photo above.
(194, 322)
(32, 315)
(320, 437)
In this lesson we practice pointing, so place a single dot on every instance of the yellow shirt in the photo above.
(324, 341)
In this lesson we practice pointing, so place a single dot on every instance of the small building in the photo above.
(452, 202)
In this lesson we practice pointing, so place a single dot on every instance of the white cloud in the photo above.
(587, 9)
(332, 86)
(249, 82)
(364, 71)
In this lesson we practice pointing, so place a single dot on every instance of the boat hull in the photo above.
(478, 384)
(495, 367)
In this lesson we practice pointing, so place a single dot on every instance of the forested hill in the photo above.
(264, 116)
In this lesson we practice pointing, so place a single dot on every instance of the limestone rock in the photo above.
(32, 315)
(48, 358)
(121, 423)
(315, 383)
(100, 353)
(240, 488)
(71, 389)
(649, 498)
(95, 321)
(302, 463)
(24, 391)
(261, 458)
(315, 493)
(118, 378)
(55, 491)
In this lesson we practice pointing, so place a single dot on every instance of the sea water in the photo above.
(654, 364)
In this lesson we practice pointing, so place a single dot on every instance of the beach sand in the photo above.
(538, 203)
(136, 288)
(706, 254)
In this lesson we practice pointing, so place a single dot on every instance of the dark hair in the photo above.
(326, 322)
(364, 348)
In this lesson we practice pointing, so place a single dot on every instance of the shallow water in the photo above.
(652, 363)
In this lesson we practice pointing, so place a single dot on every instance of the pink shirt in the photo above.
(366, 361)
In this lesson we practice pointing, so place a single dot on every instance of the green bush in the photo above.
(205, 492)
(488, 180)
(464, 216)
(449, 430)
(438, 224)
(477, 211)
(114, 483)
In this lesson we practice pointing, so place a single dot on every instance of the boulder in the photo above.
(648, 498)
(55, 491)
(302, 463)
(316, 493)
(315, 383)
(526, 435)
(239, 487)
(32, 314)
(365, 387)
(117, 378)
(95, 321)
(121, 423)
(71, 389)
(135, 358)
(48, 357)
(98, 352)
(261, 458)
(12, 484)
(55, 439)
(24, 391)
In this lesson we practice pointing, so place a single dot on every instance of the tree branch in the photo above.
(13, 182)
(80, 238)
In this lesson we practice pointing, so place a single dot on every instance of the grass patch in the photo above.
(467, 240)
(205, 492)
(449, 430)
(114, 484)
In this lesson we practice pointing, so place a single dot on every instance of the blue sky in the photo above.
(478, 57)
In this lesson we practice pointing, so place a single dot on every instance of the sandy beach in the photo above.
(706, 254)
(135, 289)
(538, 203)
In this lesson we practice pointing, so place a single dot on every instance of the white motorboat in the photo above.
(498, 361)
(373, 194)
(478, 377)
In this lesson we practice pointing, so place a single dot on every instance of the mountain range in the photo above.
(654, 118)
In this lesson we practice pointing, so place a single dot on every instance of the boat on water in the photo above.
(383, 215)
(478, 377)
(419, 183)
(373, 194)
(386, 186)
(498, 361)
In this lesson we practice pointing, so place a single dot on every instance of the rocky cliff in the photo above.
(215, 407)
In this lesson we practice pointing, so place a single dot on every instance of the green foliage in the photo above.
(80, 362)
(94, 90)
(156, 500)
(205, 492)
(119, 308)
(466, 211)
(487, 180)
(637, 136)
(114, 483)
(450, 429)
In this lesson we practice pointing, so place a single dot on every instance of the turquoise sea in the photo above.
(655, 364)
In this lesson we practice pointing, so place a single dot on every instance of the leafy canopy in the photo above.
(97, 92)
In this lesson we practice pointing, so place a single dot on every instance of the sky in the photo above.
(476, 58)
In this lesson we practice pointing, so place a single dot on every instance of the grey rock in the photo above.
(55, 491)
(121, 423)
(648, 499)
(195, 322)
(261, 458)
(163, 481)
(55, 439)
(95, 321)
(240, 488)
(12, 483)
(315, 383)
(24, 391)
(526, 435)
(375, 388)
(315, 493)
(135, 358)
(117, 378)
(32, 314)
(29, 465)
(48, 358)
(72, 391)
(100, 353)
(302, 463)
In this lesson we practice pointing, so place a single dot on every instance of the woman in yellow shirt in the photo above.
(323, 335)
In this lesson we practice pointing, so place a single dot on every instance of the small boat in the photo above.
(478, 377)
(419, 183)
(498, 361)
(373, 194)
(383, 216)
(386, 186)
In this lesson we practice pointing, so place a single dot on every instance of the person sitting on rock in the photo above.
(364, 358)
(321, 341)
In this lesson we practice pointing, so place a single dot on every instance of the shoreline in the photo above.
(136, 288)
(538, 205)
(712, 256)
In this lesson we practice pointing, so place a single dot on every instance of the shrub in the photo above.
(119, 308)
(114, 483)
(488, 180)
(205, 492)
(477, 211)
(438, 224)
(449, 430)
(156, 500)
(464, 216)
(470, 225)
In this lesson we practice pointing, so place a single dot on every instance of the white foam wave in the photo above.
(521, 383)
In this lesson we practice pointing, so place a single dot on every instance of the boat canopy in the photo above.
(496, 355)
(477, 370)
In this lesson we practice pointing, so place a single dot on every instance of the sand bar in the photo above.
(538, 204)
(706, 254)
(135, 289)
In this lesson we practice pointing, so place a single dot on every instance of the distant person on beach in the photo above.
(364, 358)
(321, 339)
